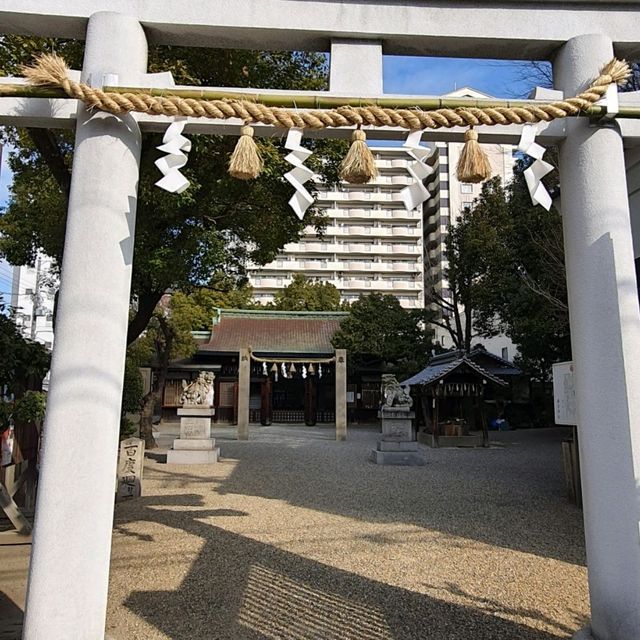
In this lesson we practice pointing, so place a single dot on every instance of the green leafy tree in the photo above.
(24, 363)
(222, 292)
(303, 294)
(379, 331)
(218, 224)
(455, 305)
(23, 366)
(166, 338)
(132, 396)
(522, 291)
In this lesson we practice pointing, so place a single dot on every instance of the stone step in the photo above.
(394, 445)
(194, 444)
(193, 457)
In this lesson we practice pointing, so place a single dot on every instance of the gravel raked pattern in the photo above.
(296, 536)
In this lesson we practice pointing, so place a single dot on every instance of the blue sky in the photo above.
(436, 76)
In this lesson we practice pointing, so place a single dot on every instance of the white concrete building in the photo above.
(32, 298)
(371, 244)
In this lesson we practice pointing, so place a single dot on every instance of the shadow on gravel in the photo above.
(10, 618)
(511, 496)
(242, 589)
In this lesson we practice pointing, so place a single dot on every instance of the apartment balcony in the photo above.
(405, 266)
(269, 283)
(406, 285)
(358, 266)
(389, 212)
(405, 249)
(403, 214)
(395, 163)
(380, 285)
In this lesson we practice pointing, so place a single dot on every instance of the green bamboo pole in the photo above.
(29, 91)
(316, 101)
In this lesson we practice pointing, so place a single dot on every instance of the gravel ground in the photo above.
(295, 536)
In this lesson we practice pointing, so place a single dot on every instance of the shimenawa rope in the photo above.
(359, 165)
(51, 70)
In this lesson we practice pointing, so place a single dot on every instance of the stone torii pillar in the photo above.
(605, 340)
(69, 571)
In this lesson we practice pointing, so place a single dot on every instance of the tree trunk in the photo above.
(163, 350)
(146, 420)
(459, 339)
(146, 306)
(467, 329)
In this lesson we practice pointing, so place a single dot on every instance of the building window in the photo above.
(505, 353)
(466, 188)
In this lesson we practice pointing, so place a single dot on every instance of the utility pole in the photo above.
(35, 300)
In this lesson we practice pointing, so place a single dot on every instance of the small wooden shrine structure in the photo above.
(450, 394)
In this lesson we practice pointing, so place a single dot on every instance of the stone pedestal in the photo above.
(195, 444)
(397, 445)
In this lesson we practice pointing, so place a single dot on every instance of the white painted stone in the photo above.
(69, 569)
(198, 456)
(605, 340)
(196, 428)
(194, 445)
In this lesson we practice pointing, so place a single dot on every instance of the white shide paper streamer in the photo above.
(415, 194)
(539, 169)
(176, 146)
(301, 199)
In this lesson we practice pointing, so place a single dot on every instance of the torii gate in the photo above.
(68, 579)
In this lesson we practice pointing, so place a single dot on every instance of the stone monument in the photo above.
(130, 467)
(397, 445)
(195, 444)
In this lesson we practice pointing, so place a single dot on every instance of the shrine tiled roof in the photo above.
(434, 372)
(273, 332)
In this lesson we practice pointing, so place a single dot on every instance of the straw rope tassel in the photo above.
(245, 162)
(359, 165)
(473, 165)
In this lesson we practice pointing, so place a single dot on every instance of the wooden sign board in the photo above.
(130, 468)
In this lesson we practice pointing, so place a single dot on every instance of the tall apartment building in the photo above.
(371, 244)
